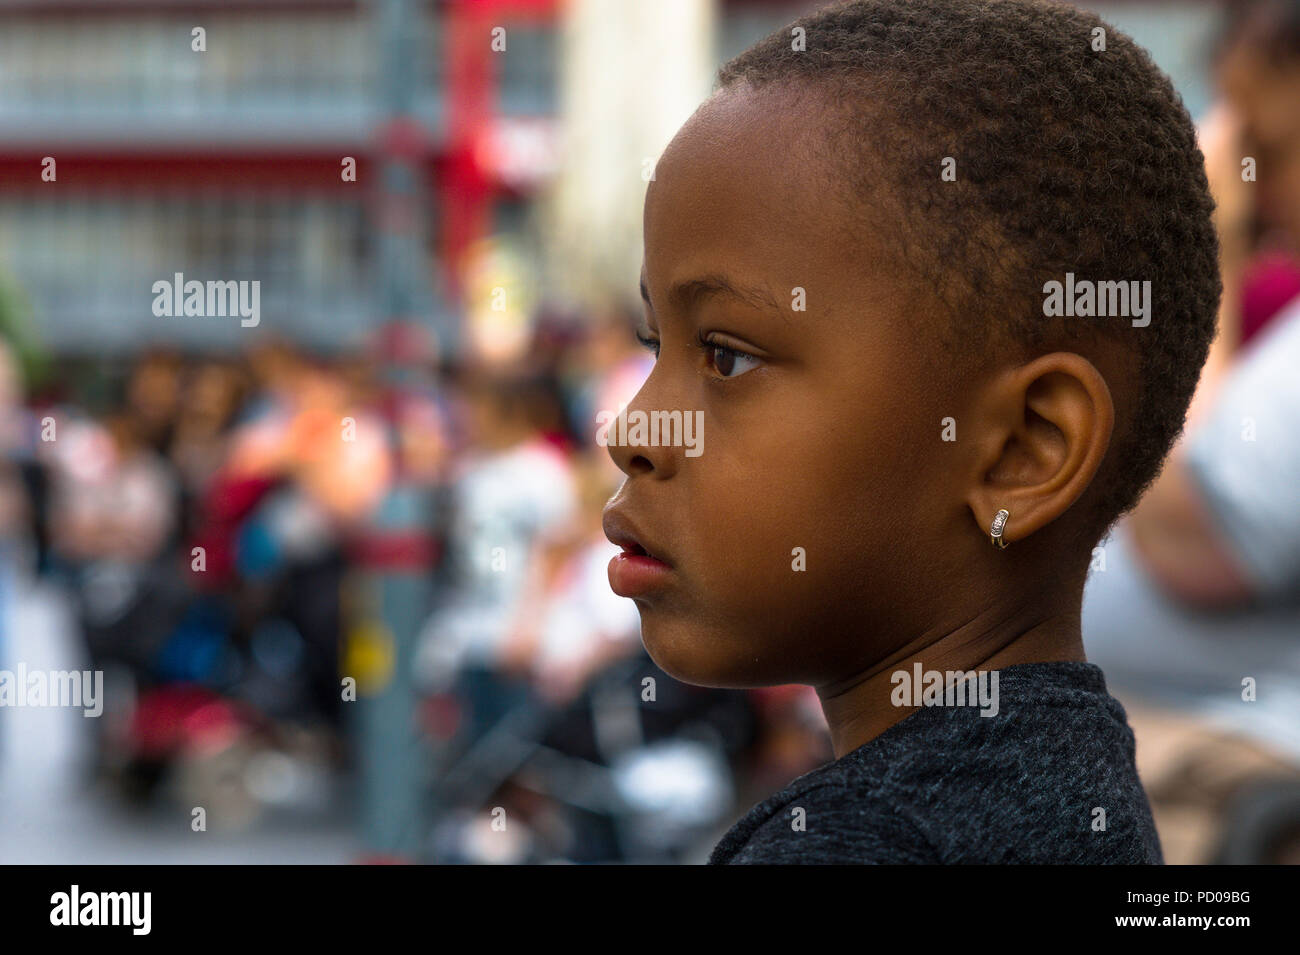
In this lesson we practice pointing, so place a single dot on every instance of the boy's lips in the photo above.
(642, 566)
(620, 530)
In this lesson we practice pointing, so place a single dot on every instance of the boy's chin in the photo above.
(699, 656)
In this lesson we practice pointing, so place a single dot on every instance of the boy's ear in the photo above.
(1043, 428)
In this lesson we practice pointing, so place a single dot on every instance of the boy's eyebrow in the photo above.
(691, 293)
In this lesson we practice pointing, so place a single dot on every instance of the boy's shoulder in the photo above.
(825, 823)
(1050, 778)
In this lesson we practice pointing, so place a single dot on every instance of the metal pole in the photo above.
(395, 557)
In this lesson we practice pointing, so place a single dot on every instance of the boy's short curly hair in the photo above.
(1069, 158)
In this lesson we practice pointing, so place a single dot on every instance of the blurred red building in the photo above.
(226, 161)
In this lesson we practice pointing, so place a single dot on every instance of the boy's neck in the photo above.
(859, 708)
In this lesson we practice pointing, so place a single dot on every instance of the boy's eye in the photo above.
(649, 343)
(729, 362)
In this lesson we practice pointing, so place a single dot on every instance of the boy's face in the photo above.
(823, 438)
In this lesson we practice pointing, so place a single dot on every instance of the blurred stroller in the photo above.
(637, 768)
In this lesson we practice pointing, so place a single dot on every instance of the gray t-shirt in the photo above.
(1050, 778)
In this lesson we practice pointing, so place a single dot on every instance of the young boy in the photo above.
(928, 274)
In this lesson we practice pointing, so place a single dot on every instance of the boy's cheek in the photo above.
(763, 562)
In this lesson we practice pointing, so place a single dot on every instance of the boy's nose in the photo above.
(631, 446)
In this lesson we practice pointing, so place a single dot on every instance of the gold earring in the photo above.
(995, 530)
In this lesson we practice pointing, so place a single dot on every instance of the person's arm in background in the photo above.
(1176, 539)
(1221, 525)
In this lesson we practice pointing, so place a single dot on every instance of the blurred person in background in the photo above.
(153, 397)
(44, 751)
(200, 441)
(1207, 567)
(568, 624)
(15, 508)
(513, 494)
(114, 510)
